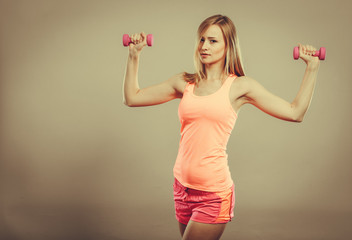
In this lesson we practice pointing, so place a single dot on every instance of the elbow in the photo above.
(128, 104)
(128, 100)
(294, 119)
(297, 115)
(298, 118)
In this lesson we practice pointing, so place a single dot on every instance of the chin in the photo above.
(208, 62)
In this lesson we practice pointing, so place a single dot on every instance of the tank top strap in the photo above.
(228, 82)
(189, 87)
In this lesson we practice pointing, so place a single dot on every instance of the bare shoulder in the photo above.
(246, 83)
(178, 82)
(240, 86)
(244, 80)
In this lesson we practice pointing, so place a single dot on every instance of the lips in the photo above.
(204, 55)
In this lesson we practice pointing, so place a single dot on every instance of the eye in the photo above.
(213, 41)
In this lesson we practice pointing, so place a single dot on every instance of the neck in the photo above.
(214, 72)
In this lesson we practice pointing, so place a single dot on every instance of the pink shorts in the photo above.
(201, 206)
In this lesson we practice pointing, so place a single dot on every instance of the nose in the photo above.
(205, 46)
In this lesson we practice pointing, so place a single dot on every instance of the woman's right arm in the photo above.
(133, 96)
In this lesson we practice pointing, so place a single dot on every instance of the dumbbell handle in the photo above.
(126, 40)
(321, 53)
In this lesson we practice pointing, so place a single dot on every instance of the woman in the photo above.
(210, 101)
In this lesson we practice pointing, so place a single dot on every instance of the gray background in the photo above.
(76, 163)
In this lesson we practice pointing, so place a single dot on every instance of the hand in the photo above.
(138, 42)
(306, 52)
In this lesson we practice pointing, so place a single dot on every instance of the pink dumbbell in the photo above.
(126, 40)
(320, 53)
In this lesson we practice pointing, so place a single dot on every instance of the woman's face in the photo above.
(212, 45)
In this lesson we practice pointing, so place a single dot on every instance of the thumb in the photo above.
(143, 35)
(300, 48)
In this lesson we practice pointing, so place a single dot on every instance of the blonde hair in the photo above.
(233, 60)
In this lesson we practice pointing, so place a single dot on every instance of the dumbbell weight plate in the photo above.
(322, 53)
(126, 40)
(295, 53)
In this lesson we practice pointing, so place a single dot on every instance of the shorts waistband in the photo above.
(190, 190)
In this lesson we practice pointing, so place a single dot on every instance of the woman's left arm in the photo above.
(277, 107)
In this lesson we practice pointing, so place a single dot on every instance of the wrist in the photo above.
(313, 66)
(134, 55)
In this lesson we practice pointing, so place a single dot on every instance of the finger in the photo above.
(141, 37)
(302, 49)
(144, 38)
(143, 34)
(308, 50)
(313, 50)
(134, 37)
(299, 46)
(305, 49)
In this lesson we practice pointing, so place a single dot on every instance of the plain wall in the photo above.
(76, 163)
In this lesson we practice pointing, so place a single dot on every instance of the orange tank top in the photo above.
(206, 126)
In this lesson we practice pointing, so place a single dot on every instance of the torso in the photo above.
(236, 95)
